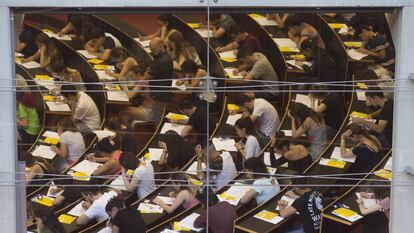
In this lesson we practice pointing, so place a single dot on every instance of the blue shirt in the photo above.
(265, 190)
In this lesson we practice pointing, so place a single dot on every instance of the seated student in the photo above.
(330, 106)
(198, 118)
(26, 44)
(77, 25)
(376, 216)
(47, 54)
(242, 39)
(36, 167)
(280, 20)
(66, 74)
(124, 219)
(298, 32)
(71, 144)
(142, 180)
(383, 128)
(193, 74)
(165, 28)
(220, 214)
(249, 145)
(221, 163)
(99, 44)
(123, 62)
(367, 151)
(308, 203)
(257, 67)
(259, 110)
(126, 138)
(264, 185)
(70, 193)
(46, 220)
(180, 50)
(322, 68)
(27, 118)
(221, 25)
(296, 155)
(312, 124)
(173, 156)
(184, 196)
(95, 201)
(376, 46)
(108, 153)
(142, 103)
(85, 114)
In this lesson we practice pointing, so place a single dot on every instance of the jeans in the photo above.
(296, 229)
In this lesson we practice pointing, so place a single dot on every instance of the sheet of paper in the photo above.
(336, 154)
(86, 167)
(31, 65)
(352, 53)
(229, 72)
(48, 84)
(293, 63)
(166, 200)
(77, 210)
(224, 144)
(174, 127)
(50, 193)
(50, 134)
(143, 43)
(388, 165)
(205, 33)
(285, 42)
(266, 158)
(231, 119)
(361, 95)
(86, 54)
(117, 96)
(188, 222)
(347, 214)
(105, 230)
(368, 202)
(268, 216)
(169, 231)
(265, 22)
(304, 99)
(147, 208)
(44, 152)
(343, 31)
(192, 170)
(180, 87)
(155, 154)
(234, 193)
(118, 183)
(103, 76)
(58, 106)
(55, 35)
(16, 54)
(227, 54)
(103, 133)
(288, 200)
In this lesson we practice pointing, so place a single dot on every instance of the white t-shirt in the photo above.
(97, 209)
(268, 116)
(146, 184)
(228, 171)
(75, 144)
(252, 147)
(87, 112)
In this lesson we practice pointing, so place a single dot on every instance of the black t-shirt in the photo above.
(310, 207)
(161, 69)
(366, 159)
(27, 38)
(333, 110)
(198, 120)
(109, 43)
(129, 221)
(386, 114)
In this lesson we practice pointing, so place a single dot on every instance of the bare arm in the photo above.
(248, 196)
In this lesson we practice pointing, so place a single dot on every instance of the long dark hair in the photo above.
(49, 219)
(381, 192)
(360, 130)
(300, 112)
(128, 161)
(257, 166)
(179, 151)
(51, 50)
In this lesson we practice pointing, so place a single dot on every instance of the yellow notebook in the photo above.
(336, 163)
(227, 197)
(359, 114)
(130, 172)
(195, 182)
(347, 213)
(18, 59)
(52, 141)
(285, 49)
(177, 227)
(147, 155)
(48, 98)
(231, 107)
(42, 77)
(95, 61)
(353, 44)
(176, 117)
(66, 219)
(193, 25)
(384, 174)
(228, 59)
(46, 201)
(300, 56)
(80, 176)
(101, 67)
(256, 16)
(337, 25)
(362, 85)
(265, 214)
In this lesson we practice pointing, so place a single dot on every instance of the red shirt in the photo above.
(252, 43)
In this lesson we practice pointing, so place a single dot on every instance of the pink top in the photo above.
(115, 156)
(385, 205)
(191, 202)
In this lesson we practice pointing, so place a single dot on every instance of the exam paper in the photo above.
(231, 119)
(234, 193)
(388, 165)
(103, 76)
(361, 95)
(368, 202)
(285, 42)
(58, 106)
(147, 208)
(205, 33)
(265, 22)
(188, 222)
(44, 152)
(50, 134)
(155, 154)
(227, 54)
(117, 96)
(192, 170)
(86, 167)
(101, 134)
(31, 65)
(174, 127)
(166, 200)
(86, 54)
(354, 54)
(304, 99)
(229, 72)
(288, 200)
(224, 144)
(78, 210)
(336, 154)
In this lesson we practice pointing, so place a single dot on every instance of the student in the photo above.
(95, 201)
(376, 46)
(280, 20)
(108, 153)
(308, 203)
(184, 196)
(298, 32)
(27, 118)
(193, 74)
(142, 180)
(124, 219)
(79, 26)
(221, 215)
(367, 151)
(221, 163)
(383, 128)
(221, 25)
(47, 54)
(329, 104)
(70, 193)
(165, 28)
(257, 67)
(296, 155)
(180, 51)
(123, 62)
(142, 104)
(99, 44)
(198, 118)
(262, 112)
(85, 114)
(26, 44)
(46, 220)
(37, 167)
(242, 39)
(66, 74)
(322, 68)
(312, 124)
(264, 185)
(173, 156)
(71, 144)
(249, 145)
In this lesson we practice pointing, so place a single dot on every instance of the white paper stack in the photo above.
(368, 202)
(286, 43)
(354, 54)
(265, 22)
(55, 35)
(86, 167)
(231, 119)
(361, 95)
(188, 222)
(288, 200)
(86, 54)
(192, 170)
(118, 183)
(234, 193)
(227, 54)
(166, 200)
(143, 43)
(336, 154)
(229, 72)
(155, 154)
(147, 208)
(174, 127)
(31, 65)
(58, 106)
(180, 87)
(101, 134)
(267, 159)
(117, 96)
(78, 210)
(304, 99)
(50, 134)
(44, 152)
(205, 33)
(224, 144)
(103, 76)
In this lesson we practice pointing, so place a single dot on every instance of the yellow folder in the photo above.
(52, 141)
(231, 107)
(95, 61)
(66, 219)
